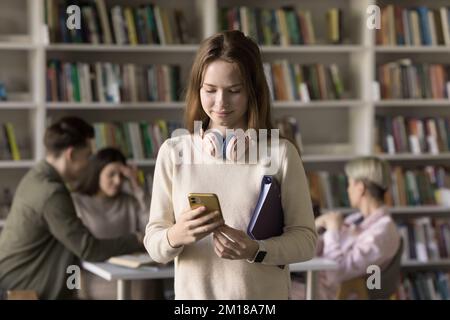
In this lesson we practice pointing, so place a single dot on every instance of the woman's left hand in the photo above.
(131, 173)
(234, 244)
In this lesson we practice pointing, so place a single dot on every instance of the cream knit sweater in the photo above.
(199, 272)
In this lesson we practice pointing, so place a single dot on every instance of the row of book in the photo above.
(123, 25)
(414, 26)
(404, 80)
(110, 82)
(425, 286)
(9, 148)
(141, 140)
(281, 26)
(289, 129)
(399, 134)
(137, 140)
(425, 239)
(419, 186)
(293, 81)
(328, 190)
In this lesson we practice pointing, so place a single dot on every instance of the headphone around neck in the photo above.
(218, 146)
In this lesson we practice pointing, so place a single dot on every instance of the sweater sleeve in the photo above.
(64, 224)
(298, 241)
(161, 210)
(141, 208)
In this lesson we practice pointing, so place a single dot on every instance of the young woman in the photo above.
(214, 257)
(368, 237)
(108, 210)
(101, 201)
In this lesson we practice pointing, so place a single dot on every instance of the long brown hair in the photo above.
(234, 47)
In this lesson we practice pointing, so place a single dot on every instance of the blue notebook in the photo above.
(268, 219)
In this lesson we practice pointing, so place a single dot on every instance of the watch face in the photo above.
(260, 256)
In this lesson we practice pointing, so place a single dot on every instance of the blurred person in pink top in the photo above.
(367, 237)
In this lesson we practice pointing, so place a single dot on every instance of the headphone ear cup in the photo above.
(213, 143)
(230, 147)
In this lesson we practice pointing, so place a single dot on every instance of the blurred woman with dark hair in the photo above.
(101, 201)
(108, 209)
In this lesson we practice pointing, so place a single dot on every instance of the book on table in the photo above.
(135, 260)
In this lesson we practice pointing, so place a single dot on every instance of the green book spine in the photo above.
(294, 32)
(98, 136)
(314, 81)
(126, 131)
(223, 21)
(120, 139)
(75, 83)
(148, 148)
(266, 18)
(343, 190)
(11, 138)
(152, 24)
(163, 128)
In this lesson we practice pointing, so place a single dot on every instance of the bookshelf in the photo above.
(20, 56)
(346, 126)
(122, 48)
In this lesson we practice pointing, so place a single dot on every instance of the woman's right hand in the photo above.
(320, 221)
(193, 225)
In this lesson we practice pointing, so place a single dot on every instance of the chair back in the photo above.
(390, 277)
(356, 288)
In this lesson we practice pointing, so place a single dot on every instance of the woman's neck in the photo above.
(369, 206)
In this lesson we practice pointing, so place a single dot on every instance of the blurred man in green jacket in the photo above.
(43, 236)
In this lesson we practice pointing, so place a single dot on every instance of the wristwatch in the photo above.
(260, 254)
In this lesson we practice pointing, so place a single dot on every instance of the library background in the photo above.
(339, 89)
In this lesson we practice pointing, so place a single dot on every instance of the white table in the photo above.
(123, 275)
(311, 268)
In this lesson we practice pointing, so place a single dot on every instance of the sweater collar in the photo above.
(374, 216)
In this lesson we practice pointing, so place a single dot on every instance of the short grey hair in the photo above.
(369, 169)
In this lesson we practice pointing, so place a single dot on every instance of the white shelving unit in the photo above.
(21, 61)
(23, 164)
(432, 264)
(413, 103)
(419, 108)
(95, 106)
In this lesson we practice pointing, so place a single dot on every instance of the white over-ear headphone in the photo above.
(218, 146)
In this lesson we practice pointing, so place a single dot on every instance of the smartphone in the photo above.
(209, 200)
